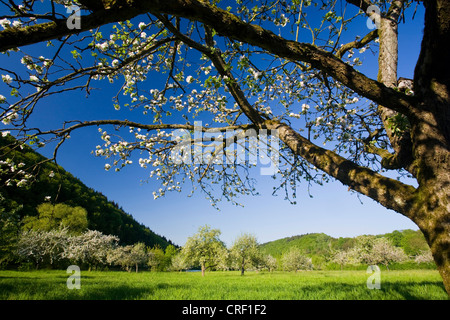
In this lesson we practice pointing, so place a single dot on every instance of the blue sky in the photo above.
(332, 209)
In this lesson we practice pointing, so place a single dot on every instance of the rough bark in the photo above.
(424, 150)
(431, 135)
(387, 74)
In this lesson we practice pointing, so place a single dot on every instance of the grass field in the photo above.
(311, 285)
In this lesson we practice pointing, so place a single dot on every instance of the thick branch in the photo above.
(149, 127)
(388, 192)
(388, 160)
(17, 37)
(362, 4)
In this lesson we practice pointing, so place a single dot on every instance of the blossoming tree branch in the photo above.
(291, 68)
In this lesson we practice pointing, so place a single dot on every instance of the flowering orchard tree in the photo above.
(127, 256)
(205, 249)
(245, 70)
(344, 257)
(179, 263)
(371, 250)
(91, 247)
(383, 252)
(42, 246)
(245, 251)
(269, 262)
(424, 257)
(294, 260)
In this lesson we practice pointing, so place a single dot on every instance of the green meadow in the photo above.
(226, 285)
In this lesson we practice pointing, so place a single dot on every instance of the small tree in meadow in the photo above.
(383, 252)
(204, 248)
(294, 260)
(340, 257)
(373, 251)
(138, 254)
(169, 253)
(179, 263)
(127, 256)
(424, 257)
(91, 247)
(270, 262)
(346, 257)
(120, 256)
(156, 258)
(245, 251)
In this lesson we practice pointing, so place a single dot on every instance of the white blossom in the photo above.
(189, 79)
(103, 47)
(7, 78)
(10, 116)
(5, 23)
(257, 75)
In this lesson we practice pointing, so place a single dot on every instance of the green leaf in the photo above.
(14, 92)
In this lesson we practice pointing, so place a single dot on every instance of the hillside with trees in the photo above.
(324, 248)
(52, 185)
(398, 250)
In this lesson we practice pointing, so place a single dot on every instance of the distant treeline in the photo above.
(51, 183)
(320, 245)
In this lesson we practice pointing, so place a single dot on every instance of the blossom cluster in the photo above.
(14, 173)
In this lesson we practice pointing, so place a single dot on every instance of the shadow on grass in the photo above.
(54, 287)
(117, 291)
(400, 290)
(415, 291)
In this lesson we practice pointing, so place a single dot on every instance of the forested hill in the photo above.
(411, 241)
(62, 187)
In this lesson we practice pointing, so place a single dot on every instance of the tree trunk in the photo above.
(428, 140)
(433, 194)
(203, 269)
(437, 234)
(431, 135)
